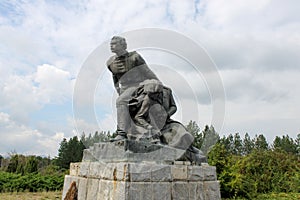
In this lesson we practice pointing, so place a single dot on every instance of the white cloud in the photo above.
(54, 84)
(24, 94)
(255, 44)
(23, 139)
(18, 96)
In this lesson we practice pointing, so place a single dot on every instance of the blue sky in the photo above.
(254, 44)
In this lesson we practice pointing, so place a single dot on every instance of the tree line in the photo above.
(35, 173)
(246, 167)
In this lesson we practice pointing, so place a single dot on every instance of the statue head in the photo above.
(118, 44)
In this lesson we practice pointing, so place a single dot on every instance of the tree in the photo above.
(210, 138)
(13, 163)
(248, 144)
(1, 158)
(238, 144)
(297, 141)
(69, 151)
(31, 165)
(260, 142)
(228, 143)
(264, 172)
(286, 144)
(96, 138)
(220, 157)
(194, 129)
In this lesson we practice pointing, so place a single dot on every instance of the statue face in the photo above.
(115, 46)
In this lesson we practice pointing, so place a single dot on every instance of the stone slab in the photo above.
(84, 169)
(179, 172)
(81, 184)
(140, 191)
(131, 151)
(74, 168)
(195, 191)
(201, 173)
(180, 190)
(161, 191)
(92, 191)
(211, 190)
(161, 173)
(114, 190)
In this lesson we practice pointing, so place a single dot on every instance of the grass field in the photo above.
(275, 196)
(57, 195)
(31, 196)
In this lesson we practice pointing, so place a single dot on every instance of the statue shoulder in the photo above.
(136, 57)
(110, 60)
(167, 89)
(134, 54)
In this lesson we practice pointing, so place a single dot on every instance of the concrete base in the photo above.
(144, 180)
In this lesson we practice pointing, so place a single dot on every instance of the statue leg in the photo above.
(123, 117)
(142, 119)
(123, 120)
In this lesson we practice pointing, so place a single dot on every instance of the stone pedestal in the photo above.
(148, 180)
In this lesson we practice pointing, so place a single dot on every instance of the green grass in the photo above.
(57, 195)
(280, 196)
(31, 196)
(276, 196)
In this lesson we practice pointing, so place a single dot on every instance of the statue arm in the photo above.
(115, 78)
(116, 83)
(173, 107)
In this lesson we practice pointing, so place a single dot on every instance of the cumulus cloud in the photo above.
(23, 139)
(53, 84)
(254, 44)
(24, 94)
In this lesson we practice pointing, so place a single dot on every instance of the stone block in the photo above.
(74, 169)
(182, 163)
(109, 171)
(113, 190)
(81, 185)
(131, 151)
(87, 155)
(209, 173)
(105, 186)
(161, 191)
(194, 173)
(161, 173)
(211, 190)
(82, 188)
(139, 190)
(139, 172)
(96, 169)
(200, 190)
(122, 171)
(67, 183)
(84, 169)
(115, 171)
(179, 172)
(196, 191)
(180, 190)
(201, 173)
(92, 188)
